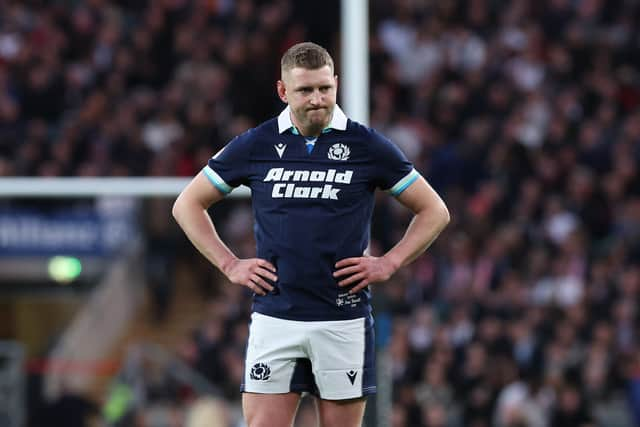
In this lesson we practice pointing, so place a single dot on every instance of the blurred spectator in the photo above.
(70, 409)
(571, 409)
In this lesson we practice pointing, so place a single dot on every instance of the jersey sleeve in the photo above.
(229, 167)
(393, 171)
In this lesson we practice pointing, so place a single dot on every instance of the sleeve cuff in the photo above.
(216, 180)
(404, 183)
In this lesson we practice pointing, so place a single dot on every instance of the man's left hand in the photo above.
(363, 271)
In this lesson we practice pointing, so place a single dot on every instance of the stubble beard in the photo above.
(316, 125)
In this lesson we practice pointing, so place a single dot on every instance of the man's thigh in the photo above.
(269, 410)
(341, 413)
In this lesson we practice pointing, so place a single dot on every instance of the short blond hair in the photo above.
(306, 55)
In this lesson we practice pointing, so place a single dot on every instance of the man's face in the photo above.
(311, 95)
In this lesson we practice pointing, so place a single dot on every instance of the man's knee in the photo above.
(263, 422)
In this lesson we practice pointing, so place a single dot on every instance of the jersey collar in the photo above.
(338, 120)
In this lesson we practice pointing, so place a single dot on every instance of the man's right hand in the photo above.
(251, 273)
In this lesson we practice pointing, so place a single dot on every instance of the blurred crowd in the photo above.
(524, 116)
(133, 88)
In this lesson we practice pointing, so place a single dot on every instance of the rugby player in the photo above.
(313, 174)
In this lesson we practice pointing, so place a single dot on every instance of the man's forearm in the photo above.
(198, 227)
(422, 231)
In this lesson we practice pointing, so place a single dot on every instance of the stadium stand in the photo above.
(524, 115)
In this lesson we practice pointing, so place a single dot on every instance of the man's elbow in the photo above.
(186, 204)
(443, 214)
(177, 209)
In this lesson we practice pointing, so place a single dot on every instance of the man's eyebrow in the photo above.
(321, 86)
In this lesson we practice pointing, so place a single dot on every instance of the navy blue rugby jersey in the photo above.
(311, 209)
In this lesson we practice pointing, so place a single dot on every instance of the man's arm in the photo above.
(431, 216)
(190, 211)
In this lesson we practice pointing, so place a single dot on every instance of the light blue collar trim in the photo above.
(295, 131)
(338, 121)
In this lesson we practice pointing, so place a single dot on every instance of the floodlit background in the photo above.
(524, 116)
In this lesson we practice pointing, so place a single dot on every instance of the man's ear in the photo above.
(282, 91)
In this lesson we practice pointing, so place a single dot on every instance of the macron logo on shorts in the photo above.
(352, 376)
(286, 183)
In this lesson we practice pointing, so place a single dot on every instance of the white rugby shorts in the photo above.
(333, 360)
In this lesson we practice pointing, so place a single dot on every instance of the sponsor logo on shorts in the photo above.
(352, 376)
(260, 372)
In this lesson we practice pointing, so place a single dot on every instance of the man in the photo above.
(312, 174)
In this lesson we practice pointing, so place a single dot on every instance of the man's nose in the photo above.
(316, 97)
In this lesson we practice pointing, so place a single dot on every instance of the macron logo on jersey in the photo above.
(286, 183)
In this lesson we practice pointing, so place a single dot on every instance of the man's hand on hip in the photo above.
(252, 273)
(363, 271)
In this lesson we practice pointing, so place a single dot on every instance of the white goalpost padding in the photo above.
(354, 46)
(92, 187)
